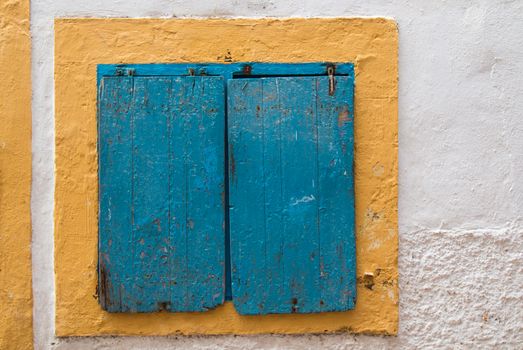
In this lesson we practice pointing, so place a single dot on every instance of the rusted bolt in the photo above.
(164, 306)
(247, 69)
(294, 308)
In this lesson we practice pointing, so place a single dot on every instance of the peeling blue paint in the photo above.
(162, 239)
(165, 242)
(292, 201)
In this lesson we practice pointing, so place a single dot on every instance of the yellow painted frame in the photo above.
(16, 297)
(81, 44)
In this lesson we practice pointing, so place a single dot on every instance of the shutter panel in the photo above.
(161, 184)
(291, 195)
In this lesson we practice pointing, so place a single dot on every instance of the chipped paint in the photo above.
(304, 199)
(150, 172)
(83, 43)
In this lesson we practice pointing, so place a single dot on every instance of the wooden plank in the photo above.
(115, 188)
(299, 195)
(336, 185)
(278, 163)
(203, 110)
(170, 245)
(227, 70)
(149, 287)
(273, 204)
(178, 196)
(246, 208)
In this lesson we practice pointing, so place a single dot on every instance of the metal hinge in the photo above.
(122, 71)
(332, 81)
(200, 72)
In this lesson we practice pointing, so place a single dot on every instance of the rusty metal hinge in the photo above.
(122, 71)
(332, 82)
(201, 72)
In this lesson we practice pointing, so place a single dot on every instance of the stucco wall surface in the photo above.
(81, 44)
(460, 170)
(15, 176)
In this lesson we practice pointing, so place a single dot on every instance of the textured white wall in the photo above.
(461, 169)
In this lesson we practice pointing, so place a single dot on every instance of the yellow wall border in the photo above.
(16, 303)
(81, 44)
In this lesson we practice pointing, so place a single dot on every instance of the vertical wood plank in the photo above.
(115, 188)
(336, 154)
(205, 230)
(246, 201)
(150, 246)
(273, 204)
(300, 198)
(178, 195)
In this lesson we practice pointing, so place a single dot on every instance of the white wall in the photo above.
(461, 169)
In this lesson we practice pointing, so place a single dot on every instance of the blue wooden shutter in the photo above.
(291, 194)
(161, 185)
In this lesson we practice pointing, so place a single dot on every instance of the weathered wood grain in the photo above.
(161, 180)
(115, 189)
(336, 200)
(291, 195)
